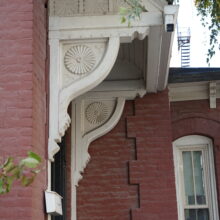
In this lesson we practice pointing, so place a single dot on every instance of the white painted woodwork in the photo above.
(212, 94)
(83, 50)
(192, 91)
(53, 203)
(153, 62)
(159, 53)
(61, 94)
(71, 8)
(128, 89)
(84, 131)
(165, 56)
(102, 26)
(204, 144)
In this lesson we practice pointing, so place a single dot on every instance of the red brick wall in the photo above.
(22, 98)
(195, 117)
(39, 132)
(131, 175)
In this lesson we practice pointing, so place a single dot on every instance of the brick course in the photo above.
(22, 98)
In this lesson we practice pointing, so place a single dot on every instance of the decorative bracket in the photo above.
(93, 115)
(83, 50)
(212, 94)
(92, 118)
(76, 67)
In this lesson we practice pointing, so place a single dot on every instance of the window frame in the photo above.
(192, 143)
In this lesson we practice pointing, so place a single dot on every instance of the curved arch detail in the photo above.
(190, 126)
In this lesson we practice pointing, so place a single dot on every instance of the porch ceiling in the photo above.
(141, 65)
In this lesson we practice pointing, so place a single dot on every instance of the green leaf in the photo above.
(30, 162)
(9, 171)
(18, 172)
(9, 180)
(8, 165)
(26, 181)
(123, 11)
(123, 19)
(35, 171)
(1, 187)
(34, 155)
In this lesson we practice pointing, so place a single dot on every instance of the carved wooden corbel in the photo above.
(92, 118)
(77, 66)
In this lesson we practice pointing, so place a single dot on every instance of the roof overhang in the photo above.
(84, 46)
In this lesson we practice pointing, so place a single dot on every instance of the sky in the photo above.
(188, 18)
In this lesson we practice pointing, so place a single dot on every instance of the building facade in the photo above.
(137, 147)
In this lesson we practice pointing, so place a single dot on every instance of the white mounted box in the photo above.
(53, 203)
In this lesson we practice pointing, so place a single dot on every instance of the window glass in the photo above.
(193, 177)
(188, 178)
(199, 178)
(196, 214)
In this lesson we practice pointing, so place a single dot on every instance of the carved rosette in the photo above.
(79, 59)
(96, 113)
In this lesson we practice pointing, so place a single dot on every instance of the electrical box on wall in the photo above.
(53, 203)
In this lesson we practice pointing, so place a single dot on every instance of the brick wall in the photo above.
(195, 117)
(22, 98)
(131, 175)
(39, 133)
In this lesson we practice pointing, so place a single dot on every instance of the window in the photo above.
(195, 178)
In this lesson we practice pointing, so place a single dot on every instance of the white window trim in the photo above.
(196, 141)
